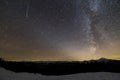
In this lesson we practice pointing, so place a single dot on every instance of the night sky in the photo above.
(59, 29)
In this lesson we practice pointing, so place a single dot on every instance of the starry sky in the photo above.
(58, 30)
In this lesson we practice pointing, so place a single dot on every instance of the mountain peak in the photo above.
(103, 59)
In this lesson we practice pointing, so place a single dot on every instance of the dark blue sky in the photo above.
(59, 29)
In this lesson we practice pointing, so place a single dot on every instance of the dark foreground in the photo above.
(63, 68)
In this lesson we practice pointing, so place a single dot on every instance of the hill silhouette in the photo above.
(63, 67)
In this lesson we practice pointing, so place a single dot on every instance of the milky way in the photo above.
(59, 29)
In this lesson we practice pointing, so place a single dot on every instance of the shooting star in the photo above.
(27, 10)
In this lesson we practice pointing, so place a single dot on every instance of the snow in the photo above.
(9, 75)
